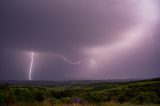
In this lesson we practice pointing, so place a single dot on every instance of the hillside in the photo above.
(105, 93)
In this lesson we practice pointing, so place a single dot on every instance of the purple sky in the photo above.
(106, 39)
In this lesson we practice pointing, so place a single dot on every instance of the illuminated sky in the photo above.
(79, 39)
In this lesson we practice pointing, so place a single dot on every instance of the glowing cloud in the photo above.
(146, 16)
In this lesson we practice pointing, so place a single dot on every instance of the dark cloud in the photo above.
(68, 27)
(64, 25)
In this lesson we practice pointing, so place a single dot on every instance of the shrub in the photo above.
(38, 95)
(23, 95)
(66, 100)
(1, 99)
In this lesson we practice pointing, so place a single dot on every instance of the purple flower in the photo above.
(76, 100)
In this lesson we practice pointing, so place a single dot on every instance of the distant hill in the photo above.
(72, 82)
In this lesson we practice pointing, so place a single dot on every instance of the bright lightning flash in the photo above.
(31, 65)
(92, 61)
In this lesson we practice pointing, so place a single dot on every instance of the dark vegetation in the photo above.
(81, 92)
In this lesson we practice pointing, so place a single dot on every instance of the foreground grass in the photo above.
(101, 104)
(95, 94)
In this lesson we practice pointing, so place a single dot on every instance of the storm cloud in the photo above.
(112, 39)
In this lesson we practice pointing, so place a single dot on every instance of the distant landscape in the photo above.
(81, 93)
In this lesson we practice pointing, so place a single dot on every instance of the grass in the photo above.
(46, 103)
(95, 94)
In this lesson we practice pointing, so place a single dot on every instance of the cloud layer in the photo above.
(112, 38)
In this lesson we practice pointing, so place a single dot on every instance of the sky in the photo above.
(79, 39)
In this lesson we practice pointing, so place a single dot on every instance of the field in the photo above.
(80, 93)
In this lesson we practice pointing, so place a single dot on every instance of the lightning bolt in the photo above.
(65, 59)
(31, 65)
(60, 56)
(73, 62)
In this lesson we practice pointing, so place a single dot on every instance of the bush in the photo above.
(146, 97)
(23, 95)
(38, 95)
(1, 99)
(9, 98)
(150, 97)
(66, 100)
(121, 99)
